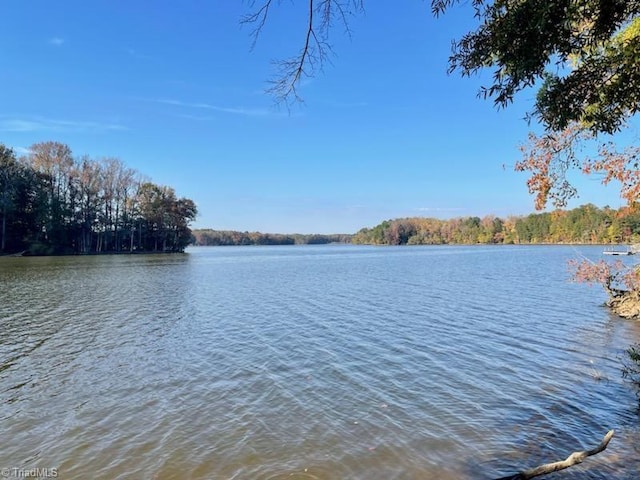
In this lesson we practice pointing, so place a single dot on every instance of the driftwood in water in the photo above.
(573, 459)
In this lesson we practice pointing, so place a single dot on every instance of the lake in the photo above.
(312, 362)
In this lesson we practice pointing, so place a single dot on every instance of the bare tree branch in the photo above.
(316, 49)
(258, 18)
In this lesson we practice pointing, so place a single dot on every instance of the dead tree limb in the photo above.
(573, 459)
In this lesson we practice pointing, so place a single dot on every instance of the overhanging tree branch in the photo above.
(258, 18)
(316, 49)
(586, 53)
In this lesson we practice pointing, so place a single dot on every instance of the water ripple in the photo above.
(327, 362)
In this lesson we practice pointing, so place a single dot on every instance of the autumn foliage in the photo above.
(614, 276)
(551, 156)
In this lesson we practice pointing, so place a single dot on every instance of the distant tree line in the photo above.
(585, 224)
(208, 237)
(52, 202)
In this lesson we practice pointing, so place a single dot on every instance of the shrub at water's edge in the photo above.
(620, 281)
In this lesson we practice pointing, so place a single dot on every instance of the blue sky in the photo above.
(175, 90)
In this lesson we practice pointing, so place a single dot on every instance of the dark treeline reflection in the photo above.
(52, 202)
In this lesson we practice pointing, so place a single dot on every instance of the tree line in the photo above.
(208, 237)
(52, 202)
(586, 224)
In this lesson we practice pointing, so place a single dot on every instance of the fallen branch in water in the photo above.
(573, 459)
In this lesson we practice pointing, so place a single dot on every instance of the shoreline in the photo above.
(26, 254)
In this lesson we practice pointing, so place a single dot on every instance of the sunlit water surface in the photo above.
(311, 362)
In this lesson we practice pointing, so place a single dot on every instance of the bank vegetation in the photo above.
(586, 224)
(209, 237)
(52, 202)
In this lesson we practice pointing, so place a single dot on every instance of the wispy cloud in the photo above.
(56, 41)
(136, 54)
(338, 104)
(250, 112)
(38, 124)
(194, 117)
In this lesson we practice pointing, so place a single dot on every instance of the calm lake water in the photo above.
(311, 362)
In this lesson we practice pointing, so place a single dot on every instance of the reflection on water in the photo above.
(318, 362)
